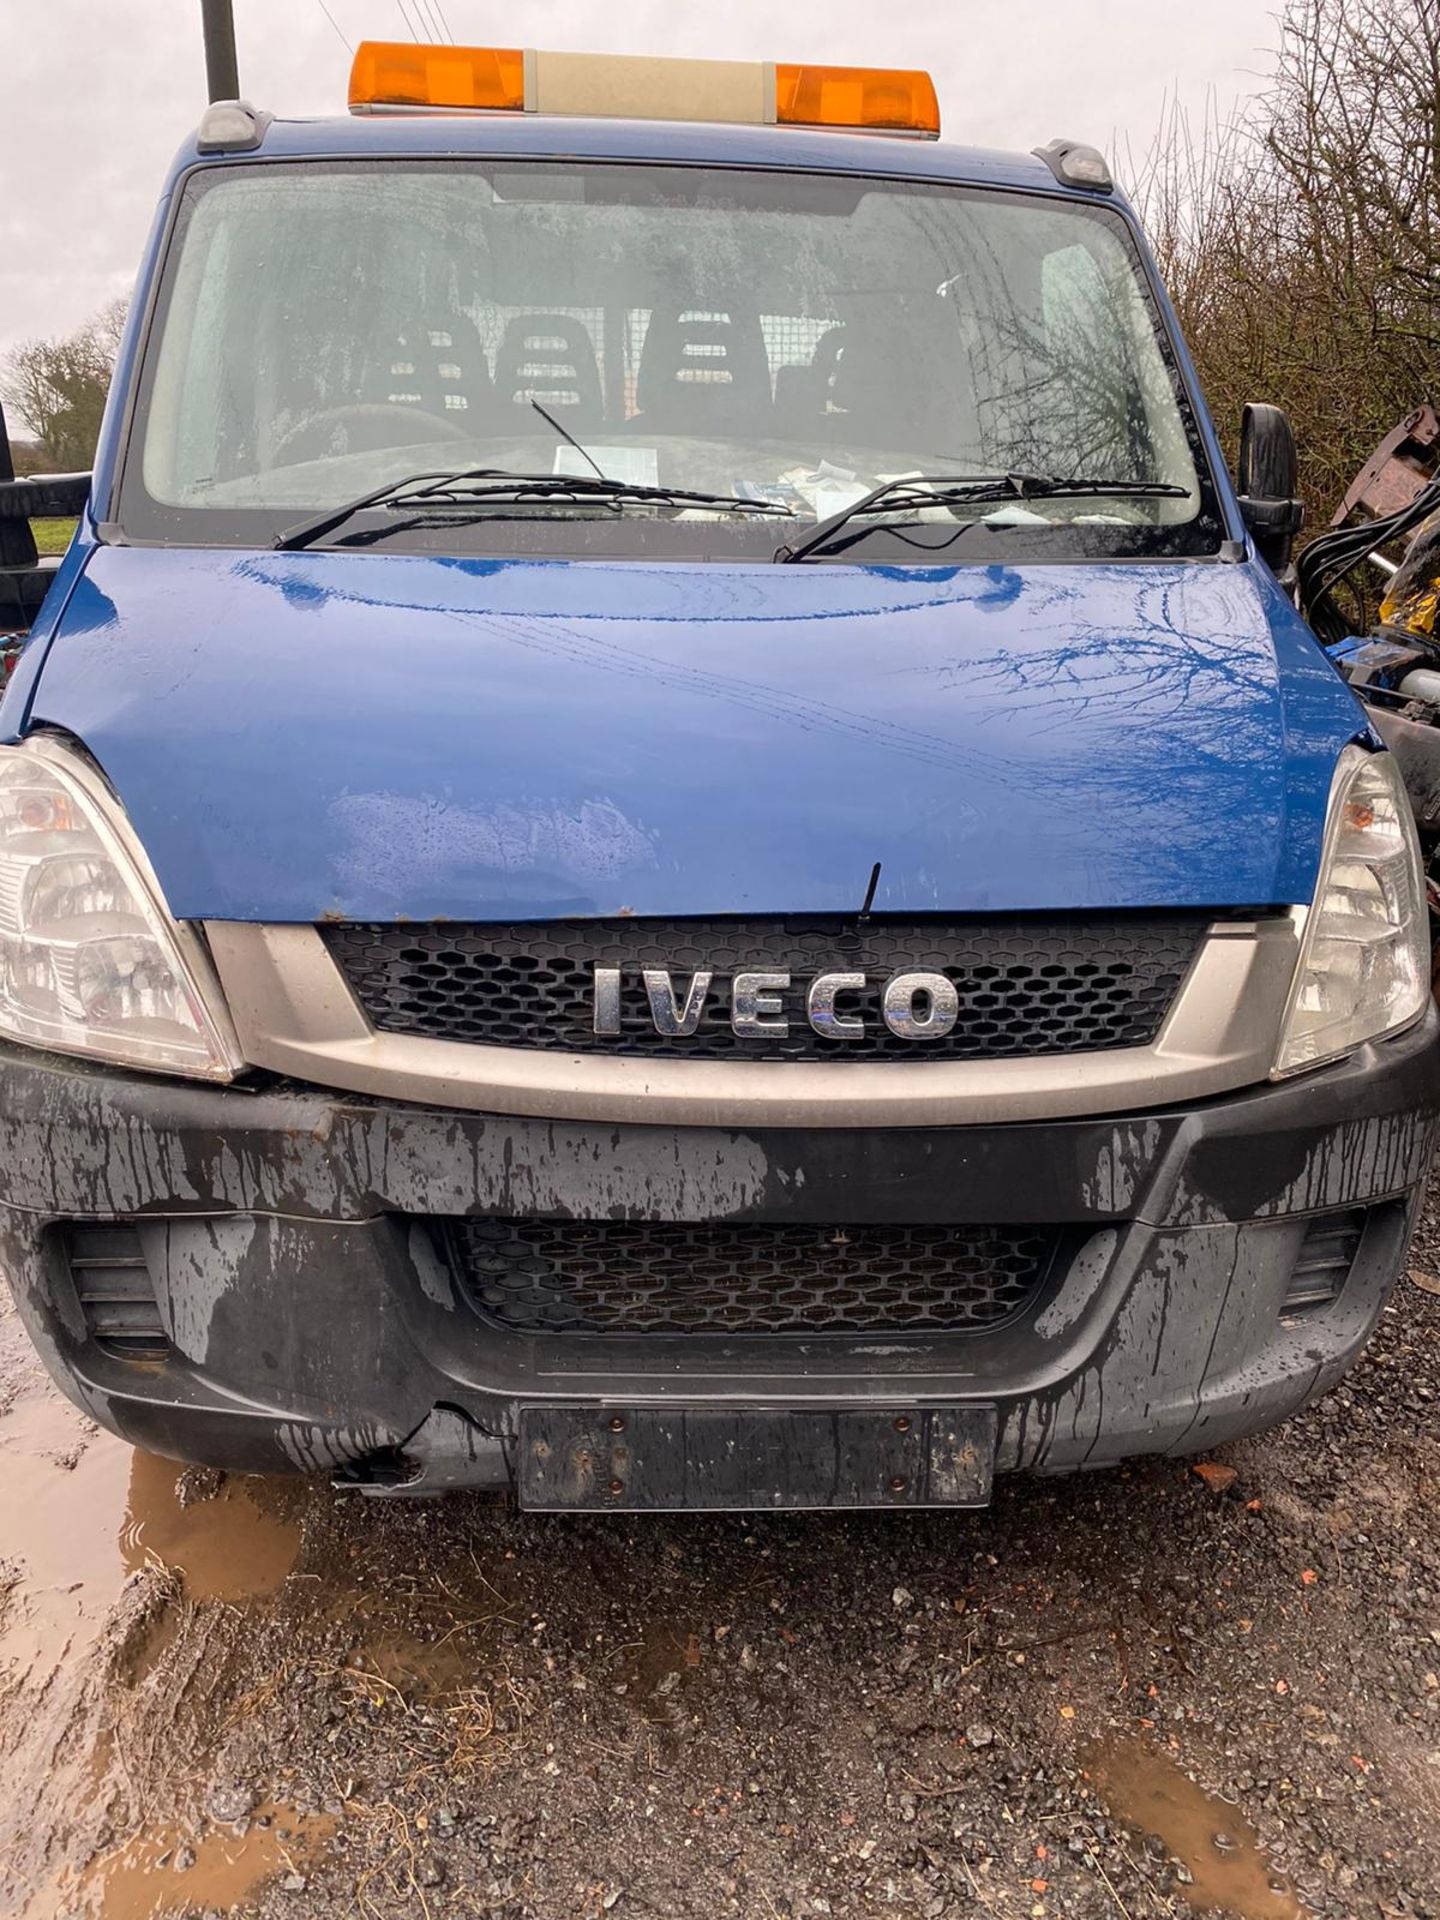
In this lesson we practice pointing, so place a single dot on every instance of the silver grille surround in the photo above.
(296, 1014)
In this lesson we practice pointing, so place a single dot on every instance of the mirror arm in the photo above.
(1272, 519)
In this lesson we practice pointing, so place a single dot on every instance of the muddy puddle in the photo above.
(62, 1504)
(1143, 1788)
(168, 1870)
(80, 1514)
(80, 1511)
(228, 1546)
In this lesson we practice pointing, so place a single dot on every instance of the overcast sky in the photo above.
(95, 95)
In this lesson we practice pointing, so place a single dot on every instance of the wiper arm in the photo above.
(306, 532)
(903, 496)
(899, 497)
(478, 487)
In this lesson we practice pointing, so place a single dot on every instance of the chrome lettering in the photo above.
(607, 1001)
(942, 1006)
(670, 1020)
(820, 1005)
(753, 997)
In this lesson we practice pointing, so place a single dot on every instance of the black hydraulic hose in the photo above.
(1327, 561)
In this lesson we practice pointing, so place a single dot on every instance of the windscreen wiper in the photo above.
(897, 498)
(476, 489)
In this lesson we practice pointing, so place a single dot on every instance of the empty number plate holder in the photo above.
(661, 1459)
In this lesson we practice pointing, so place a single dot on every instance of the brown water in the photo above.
(139, 1881)
(1143, 1788)
(79, 1511)
(61, 1502)
(227, 1548)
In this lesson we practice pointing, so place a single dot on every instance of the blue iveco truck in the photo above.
(668, 840)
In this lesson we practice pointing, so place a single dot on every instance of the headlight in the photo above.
(1365, 959)
(90, 960)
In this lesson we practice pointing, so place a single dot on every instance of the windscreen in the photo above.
(792, 339)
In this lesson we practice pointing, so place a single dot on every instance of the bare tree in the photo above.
(58, 387)
(1301, 239)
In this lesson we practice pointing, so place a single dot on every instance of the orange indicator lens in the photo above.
(895, 101)
(392, 74)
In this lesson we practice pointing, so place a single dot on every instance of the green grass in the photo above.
(52, 536)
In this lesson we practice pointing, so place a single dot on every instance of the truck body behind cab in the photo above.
(554, 940)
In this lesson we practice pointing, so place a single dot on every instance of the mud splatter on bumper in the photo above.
(312, 1321)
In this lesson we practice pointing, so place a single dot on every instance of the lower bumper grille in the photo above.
(117, 1296)
(676, 1277)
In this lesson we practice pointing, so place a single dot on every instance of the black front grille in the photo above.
(1026, 987)
(659, 1277)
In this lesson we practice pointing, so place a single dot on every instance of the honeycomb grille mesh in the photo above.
(1026, 987)
(668, 1277)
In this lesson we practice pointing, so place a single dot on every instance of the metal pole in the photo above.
(17, 543)
(222, 71)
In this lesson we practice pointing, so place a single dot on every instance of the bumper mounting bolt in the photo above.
(617, 1487)
(897, 1485)
(902, 1425)
(617, 1425)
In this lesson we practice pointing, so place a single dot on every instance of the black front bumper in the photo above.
(313, 1322)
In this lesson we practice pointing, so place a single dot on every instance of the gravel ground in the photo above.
(1137, 1693)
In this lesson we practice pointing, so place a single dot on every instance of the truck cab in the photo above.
(667, 841)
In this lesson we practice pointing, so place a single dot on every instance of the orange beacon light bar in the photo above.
(874, 98)
(400, 77)
(392, 74)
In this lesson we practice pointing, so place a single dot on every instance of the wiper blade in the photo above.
(897, 498)
(581, 486)
(476, 487)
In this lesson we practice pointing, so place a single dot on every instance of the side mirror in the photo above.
(1269, 480)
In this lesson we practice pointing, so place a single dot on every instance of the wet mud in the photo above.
(225, 1544)
(1147, 1790)
(105, 1556)
(62, 1507)
(80, 1512)
(175, 1870)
